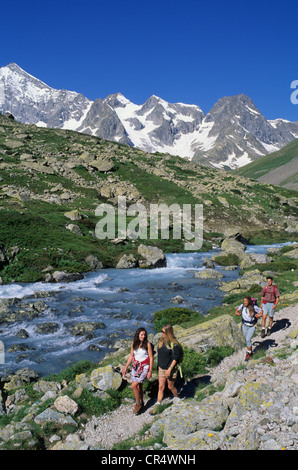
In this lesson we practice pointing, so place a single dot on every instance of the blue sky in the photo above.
(183, 51)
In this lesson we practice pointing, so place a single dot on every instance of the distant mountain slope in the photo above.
(279, 168)
(233, 133)
(237, 133)
(53, 180)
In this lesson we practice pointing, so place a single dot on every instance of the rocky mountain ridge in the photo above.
(232, 134)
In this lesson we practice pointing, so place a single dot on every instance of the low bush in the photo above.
(230, 259)
(195, 364)
(173, 316)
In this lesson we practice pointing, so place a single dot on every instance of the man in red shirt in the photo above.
(269, 300)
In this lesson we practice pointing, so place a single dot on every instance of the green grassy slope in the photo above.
(280, 167)
(45, 173)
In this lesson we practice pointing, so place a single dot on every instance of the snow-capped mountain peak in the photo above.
(231, 134)
(158, 125)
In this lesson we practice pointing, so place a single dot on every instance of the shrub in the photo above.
(217, 354)
(173, 316)
(230, 259)
(193, 363)
(70, 372)
(92, 405)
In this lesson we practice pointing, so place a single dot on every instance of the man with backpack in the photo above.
(269, 300)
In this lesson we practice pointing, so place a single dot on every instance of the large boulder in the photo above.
(102, 165)
(292, 254)
(243, 284)
(73, 215)
(106, 378)
(127, 262)
(231, 245)
(153, 257)
(52, 416)
(252, 395)
(184, 419)
(61, 276)
(66, 405)
(221, 331)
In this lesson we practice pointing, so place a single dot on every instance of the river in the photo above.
(121, 299)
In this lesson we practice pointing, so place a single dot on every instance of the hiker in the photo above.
(269, 300)
(141, 356)
(250, 314)
(168, 355)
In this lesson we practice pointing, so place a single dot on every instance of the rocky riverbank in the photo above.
(255, 405)
(235, 405)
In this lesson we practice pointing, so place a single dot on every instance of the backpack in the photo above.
(254, 301)
(274, 289)
(180, 358)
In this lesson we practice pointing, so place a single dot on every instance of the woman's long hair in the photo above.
(137, 342)
(250, 306)
(169, 336)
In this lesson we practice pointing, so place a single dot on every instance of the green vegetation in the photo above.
(272, 161)
(229, 259)
(45, 173)
(92, 405)
(173, 316)
(194, 364)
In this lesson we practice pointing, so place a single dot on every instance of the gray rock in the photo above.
(74, 229)
(208, 274)
(47, 328)
(187, 418)
(127, 262)
(208, 263)
(73, 215)
(84, 328)
(61, 276)
(106, 378)
(66, 405)
(93, 262)
(153, 257)
(221, 331)
(52, 416)
(177, 299)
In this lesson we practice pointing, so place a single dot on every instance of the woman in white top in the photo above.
(141, 356)
(250, 314)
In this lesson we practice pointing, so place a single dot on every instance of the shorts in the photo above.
(162, 373)
(134, 377)
(268, 310)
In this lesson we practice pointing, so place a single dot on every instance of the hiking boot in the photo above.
(248, 356)
(263, 334)
(137, 408)
(154, 411)
(269, 332)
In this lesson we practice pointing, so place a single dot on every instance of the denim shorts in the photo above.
(268, 310)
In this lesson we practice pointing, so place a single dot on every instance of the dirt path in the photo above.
(121, 424)
(284, 320)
